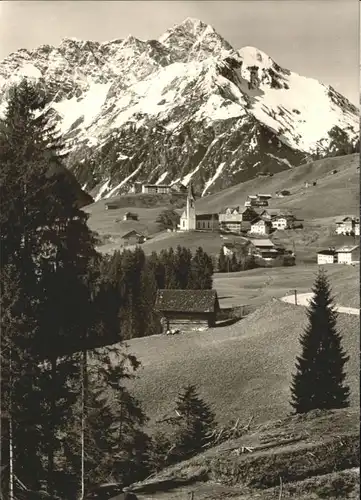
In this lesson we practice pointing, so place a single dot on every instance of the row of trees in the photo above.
(135, 278)
(233, 263)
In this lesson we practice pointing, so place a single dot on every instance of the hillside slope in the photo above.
(302, 457)
(242, 370)
(333, 196)
(185, 106)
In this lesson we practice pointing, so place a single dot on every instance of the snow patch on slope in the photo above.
(124, 181)
(102, 190)
(212, 179)
(87, 108)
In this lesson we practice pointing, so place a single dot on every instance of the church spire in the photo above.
(190, 191)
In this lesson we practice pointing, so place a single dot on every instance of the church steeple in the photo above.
(191, 210)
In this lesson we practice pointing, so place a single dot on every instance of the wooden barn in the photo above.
(187, 309)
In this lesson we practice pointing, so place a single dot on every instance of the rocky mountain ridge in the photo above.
(185, 106)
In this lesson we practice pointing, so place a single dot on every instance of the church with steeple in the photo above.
(191, 221)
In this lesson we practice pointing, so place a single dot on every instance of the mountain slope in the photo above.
(242, 370)
(186, 106)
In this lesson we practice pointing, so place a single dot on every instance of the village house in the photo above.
(327, 256)
(357, 227)
(264, 197)
(130, 216)
(187, 309)
(133, 238)
(347, 226)
(257, 200)
(234, 218)
(280, 219)
(261, 227)
(348, 254)
(156, 189)
(263, 248)
(112, 205)
(178, 187)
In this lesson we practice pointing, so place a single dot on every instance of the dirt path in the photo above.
(304, 298)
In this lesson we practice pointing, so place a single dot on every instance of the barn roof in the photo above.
(196, 301)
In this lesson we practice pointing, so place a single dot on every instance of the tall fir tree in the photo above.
(183, 258)
(319, 381)
(197, 422)
(201, 271)
(222, 262)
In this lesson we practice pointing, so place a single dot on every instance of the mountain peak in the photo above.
(195, 39)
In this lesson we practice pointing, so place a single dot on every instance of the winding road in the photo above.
(304, 298)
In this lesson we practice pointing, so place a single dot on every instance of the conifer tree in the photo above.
(319, 379)
(45, 238)
(157, 269)
(167, 259)
(222, 262)
(183, 258)
(201, 271)
(234, 264)
(196, 424)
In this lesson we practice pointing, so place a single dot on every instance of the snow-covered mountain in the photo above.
(186, 106)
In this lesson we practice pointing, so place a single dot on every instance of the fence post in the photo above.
(296, 297)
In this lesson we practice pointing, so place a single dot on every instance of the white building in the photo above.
(346, 226)
(280, 223)
(261, 227)
(156, 189)
(348, 255)
(327, 256)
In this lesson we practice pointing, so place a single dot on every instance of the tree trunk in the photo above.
(84, 392)
(51, 449)
(11, 449)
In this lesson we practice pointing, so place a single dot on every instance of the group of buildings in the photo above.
(344, 255)
(347, 254)
(251, 218)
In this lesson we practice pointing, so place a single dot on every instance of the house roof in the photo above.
(224, 210)
(263, 243)
(206, 216)
(128, 234)
(347, 249)
(200, 301)
(341, 220)
(326, 252)
(157, 185)
(258, 220)
(264, 195)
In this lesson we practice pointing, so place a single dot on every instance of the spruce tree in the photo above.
(183, 258)
(234, 264)
(319, 379)
(201, 271)
(197, 422)
(222, 262)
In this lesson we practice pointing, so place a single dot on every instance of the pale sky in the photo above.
(315, 38)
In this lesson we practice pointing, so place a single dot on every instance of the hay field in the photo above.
(258, 286)
(242, 370)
